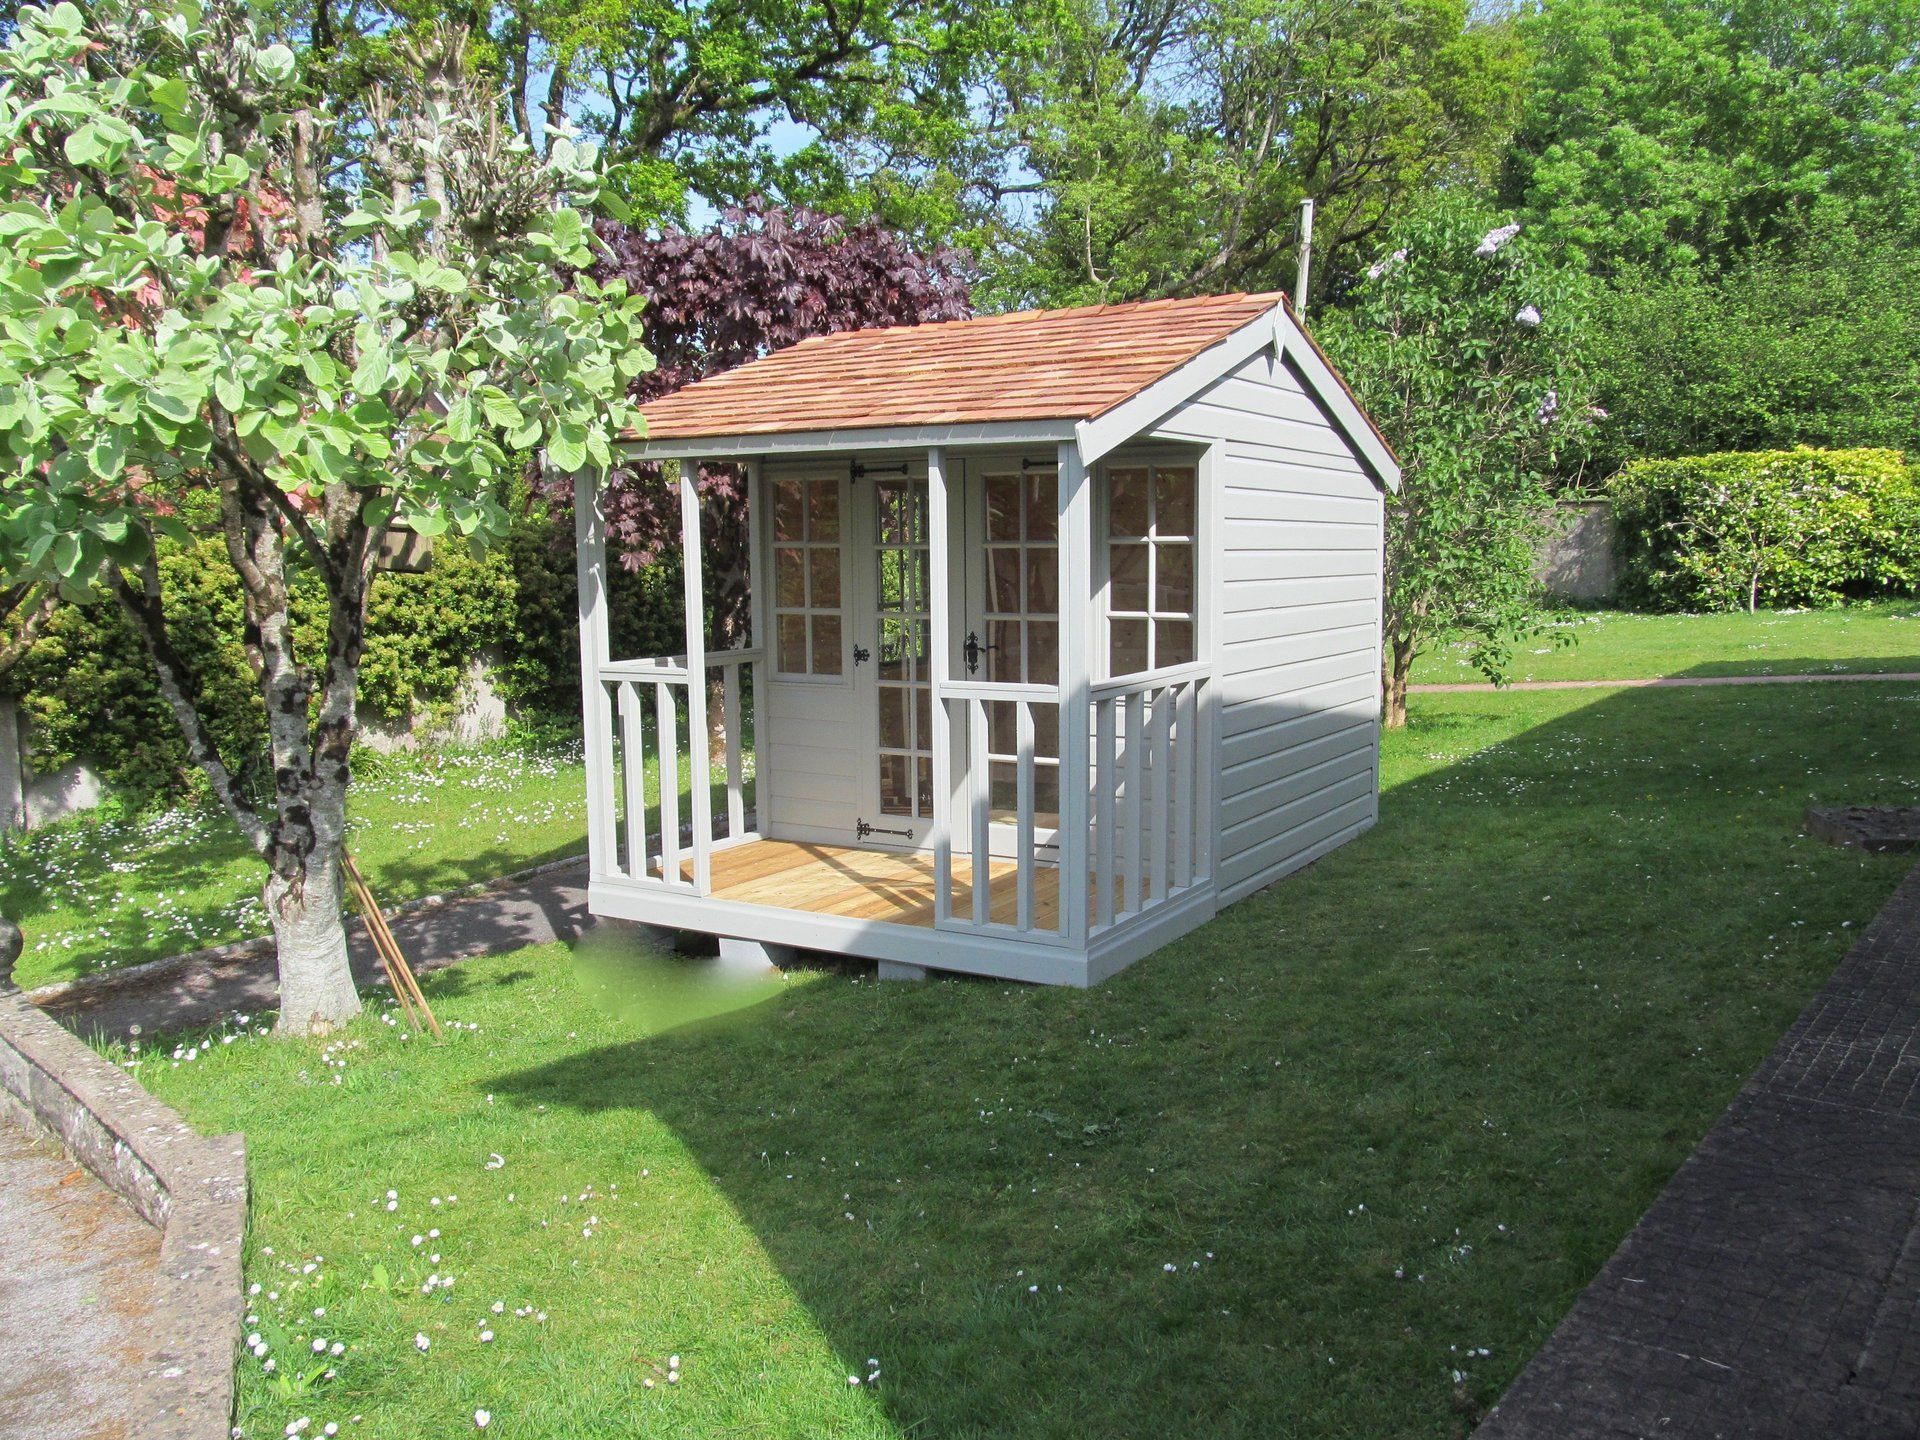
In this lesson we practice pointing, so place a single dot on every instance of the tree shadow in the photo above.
(1297, 1171)
(1790, 665)
(43, 874)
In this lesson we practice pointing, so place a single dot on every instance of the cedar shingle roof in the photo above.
(1032, 365)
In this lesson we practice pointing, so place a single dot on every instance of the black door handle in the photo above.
(973, 650)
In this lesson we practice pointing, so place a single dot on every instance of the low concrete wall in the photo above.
(193, 1189)
(1579, 563)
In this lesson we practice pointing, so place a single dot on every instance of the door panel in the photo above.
(809, 780)
(896, 682)
(1012, 565)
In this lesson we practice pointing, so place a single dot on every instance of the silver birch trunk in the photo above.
(317, 993)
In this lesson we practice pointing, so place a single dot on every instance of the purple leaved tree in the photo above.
(761, 279)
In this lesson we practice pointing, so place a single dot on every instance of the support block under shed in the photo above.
(900, 970)
(752, 957)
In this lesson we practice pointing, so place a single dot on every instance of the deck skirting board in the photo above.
(1113, 950)
(1034, 962)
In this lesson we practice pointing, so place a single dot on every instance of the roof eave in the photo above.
(849, 441)
(1331, 389)
(1279, 330)
(1141, 411)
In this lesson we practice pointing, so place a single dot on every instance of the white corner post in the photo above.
(1076, 688)
(699, 750)
(596, 710)
(760, 626)
(939, 659)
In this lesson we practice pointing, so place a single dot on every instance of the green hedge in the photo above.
(88, 687)
(1776, 527)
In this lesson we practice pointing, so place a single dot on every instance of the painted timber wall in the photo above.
(1296, 551)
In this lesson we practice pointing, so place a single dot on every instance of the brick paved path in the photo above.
(1774, 1287)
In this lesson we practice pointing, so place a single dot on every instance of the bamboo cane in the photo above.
(369, 910)
(404, 970)
(399, 974)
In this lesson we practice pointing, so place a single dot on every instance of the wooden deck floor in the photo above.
(868, 884)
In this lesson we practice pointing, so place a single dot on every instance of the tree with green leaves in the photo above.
(223, 306)
(709, 100)
(1663, 131)
(1464, 341)
(1171, 141)
(1814, 343)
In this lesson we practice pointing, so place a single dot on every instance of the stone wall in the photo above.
(1580, 562)
(193, 1189)
(28, 798)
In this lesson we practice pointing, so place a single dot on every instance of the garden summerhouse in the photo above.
(1065, 633)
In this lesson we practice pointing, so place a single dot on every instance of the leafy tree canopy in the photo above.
(1147, 147)
(796, 98)
(1662, 131)
(218, 299)
(1811, 344)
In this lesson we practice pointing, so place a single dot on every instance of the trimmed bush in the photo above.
(1743, 529)
(88, 687)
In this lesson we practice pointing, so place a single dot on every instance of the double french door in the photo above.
(1006, 603)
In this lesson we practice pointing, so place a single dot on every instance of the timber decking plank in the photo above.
(866, 884)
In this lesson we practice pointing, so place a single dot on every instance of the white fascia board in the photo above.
(1329, 390)
(1144, 410)
(1278, 330)
(1047, 433)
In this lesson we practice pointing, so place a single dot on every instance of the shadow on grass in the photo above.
(30, 896)
(1766, 664)
(1295, 1172)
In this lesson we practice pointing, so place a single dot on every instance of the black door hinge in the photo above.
(862, 829)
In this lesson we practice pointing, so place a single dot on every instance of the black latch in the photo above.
(861, 654)
(973, 650)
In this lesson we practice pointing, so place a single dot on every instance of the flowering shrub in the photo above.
(1465, 344)
(1772, 527)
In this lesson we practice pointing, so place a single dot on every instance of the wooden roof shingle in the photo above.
(1030, 365)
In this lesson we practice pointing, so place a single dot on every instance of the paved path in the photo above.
(78, 1276)
(1773, 1290)
(1662, 682)
(550, 906)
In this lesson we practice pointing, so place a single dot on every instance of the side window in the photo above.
(806, 577)
(1152, 584)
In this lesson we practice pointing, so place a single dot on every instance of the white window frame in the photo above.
(1161, 457)
(807, 476)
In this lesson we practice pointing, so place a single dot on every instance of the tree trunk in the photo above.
(717, 720)
(1399, 666)
(316, 985)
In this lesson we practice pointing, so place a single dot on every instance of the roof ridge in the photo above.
(1064, 313)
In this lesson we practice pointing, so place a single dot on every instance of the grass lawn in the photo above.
(1869, 638)
(97, 893)
(92, 894)
(1333, 1165)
